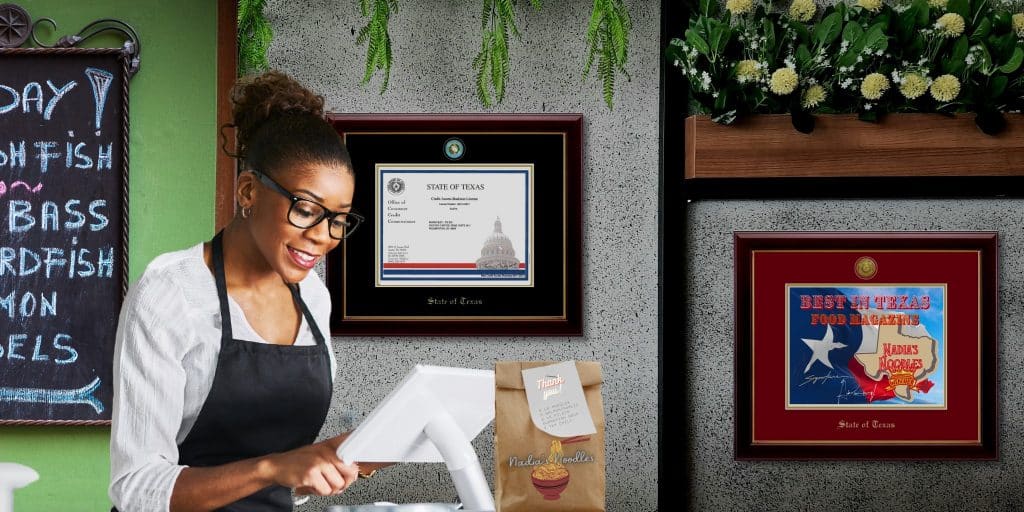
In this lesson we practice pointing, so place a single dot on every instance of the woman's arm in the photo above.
(313, 469)
(149, 392)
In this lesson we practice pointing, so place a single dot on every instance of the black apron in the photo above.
(265, 398)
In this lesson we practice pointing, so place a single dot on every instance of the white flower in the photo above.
(950, 25)
(914, 86)
(867, 106)
(860, 59)
(969, 59)
(705, 81)
(784, 81)
(747, 71)
(813, 96)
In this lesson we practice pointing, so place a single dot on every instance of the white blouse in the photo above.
(165, 355)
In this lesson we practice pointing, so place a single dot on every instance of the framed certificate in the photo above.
(866, 345)
(473, 226)
(436, 227)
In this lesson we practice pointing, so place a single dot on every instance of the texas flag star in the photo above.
(820, 348)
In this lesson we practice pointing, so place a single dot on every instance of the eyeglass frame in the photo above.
(327, 212)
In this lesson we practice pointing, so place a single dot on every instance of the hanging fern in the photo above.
(608, 42)
(378, 40)
(491, 62)
(254, 36)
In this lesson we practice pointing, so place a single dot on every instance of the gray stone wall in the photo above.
(717, 482)
(433, 45)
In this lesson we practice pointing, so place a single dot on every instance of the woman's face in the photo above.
(291, 251)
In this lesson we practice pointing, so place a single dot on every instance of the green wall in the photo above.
(172, 146)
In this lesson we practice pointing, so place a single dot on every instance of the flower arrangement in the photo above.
(867, 57)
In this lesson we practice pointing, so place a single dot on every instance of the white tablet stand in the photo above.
(431, 416)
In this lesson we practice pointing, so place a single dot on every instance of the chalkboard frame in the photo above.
(124, 57)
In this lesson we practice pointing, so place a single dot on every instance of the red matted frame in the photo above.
(767, 427)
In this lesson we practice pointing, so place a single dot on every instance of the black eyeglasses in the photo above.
(305, 213)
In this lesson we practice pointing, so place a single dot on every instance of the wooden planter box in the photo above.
(766, 146)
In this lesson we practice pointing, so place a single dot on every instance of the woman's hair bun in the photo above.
(258, 98)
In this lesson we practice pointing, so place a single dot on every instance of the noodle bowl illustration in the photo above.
(552, 478)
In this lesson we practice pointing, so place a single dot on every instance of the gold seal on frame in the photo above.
(866, 267)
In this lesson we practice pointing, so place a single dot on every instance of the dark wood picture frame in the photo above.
(985, 244)
(554, 142)
(227, 73)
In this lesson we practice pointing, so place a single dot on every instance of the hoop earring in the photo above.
(246, 211)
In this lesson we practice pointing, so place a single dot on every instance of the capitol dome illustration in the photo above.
(497, 253)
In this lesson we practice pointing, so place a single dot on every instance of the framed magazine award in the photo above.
(866, 345)
(473, 226)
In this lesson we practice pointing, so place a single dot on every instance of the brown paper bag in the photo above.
(526, 479)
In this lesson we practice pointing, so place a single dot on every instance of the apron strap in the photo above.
(222, 289)
(309, 316)
(222, 295)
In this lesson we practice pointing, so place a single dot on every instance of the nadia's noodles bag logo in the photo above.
(551, 385)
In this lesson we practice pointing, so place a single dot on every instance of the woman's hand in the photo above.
(314, 469)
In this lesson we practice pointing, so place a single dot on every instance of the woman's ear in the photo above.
(245, 189)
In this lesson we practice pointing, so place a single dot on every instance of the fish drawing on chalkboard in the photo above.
(82, 395)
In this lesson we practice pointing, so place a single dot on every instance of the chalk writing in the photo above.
(60, 234)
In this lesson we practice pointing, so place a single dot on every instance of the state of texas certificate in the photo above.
(454, 225)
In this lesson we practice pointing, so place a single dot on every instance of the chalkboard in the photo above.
(63, 220)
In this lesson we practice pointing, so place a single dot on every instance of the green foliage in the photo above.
(377, 39)
(608, 42)
(254, 36)
(491, 62)
(731, 58)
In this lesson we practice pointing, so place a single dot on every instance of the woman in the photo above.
(223, 367)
